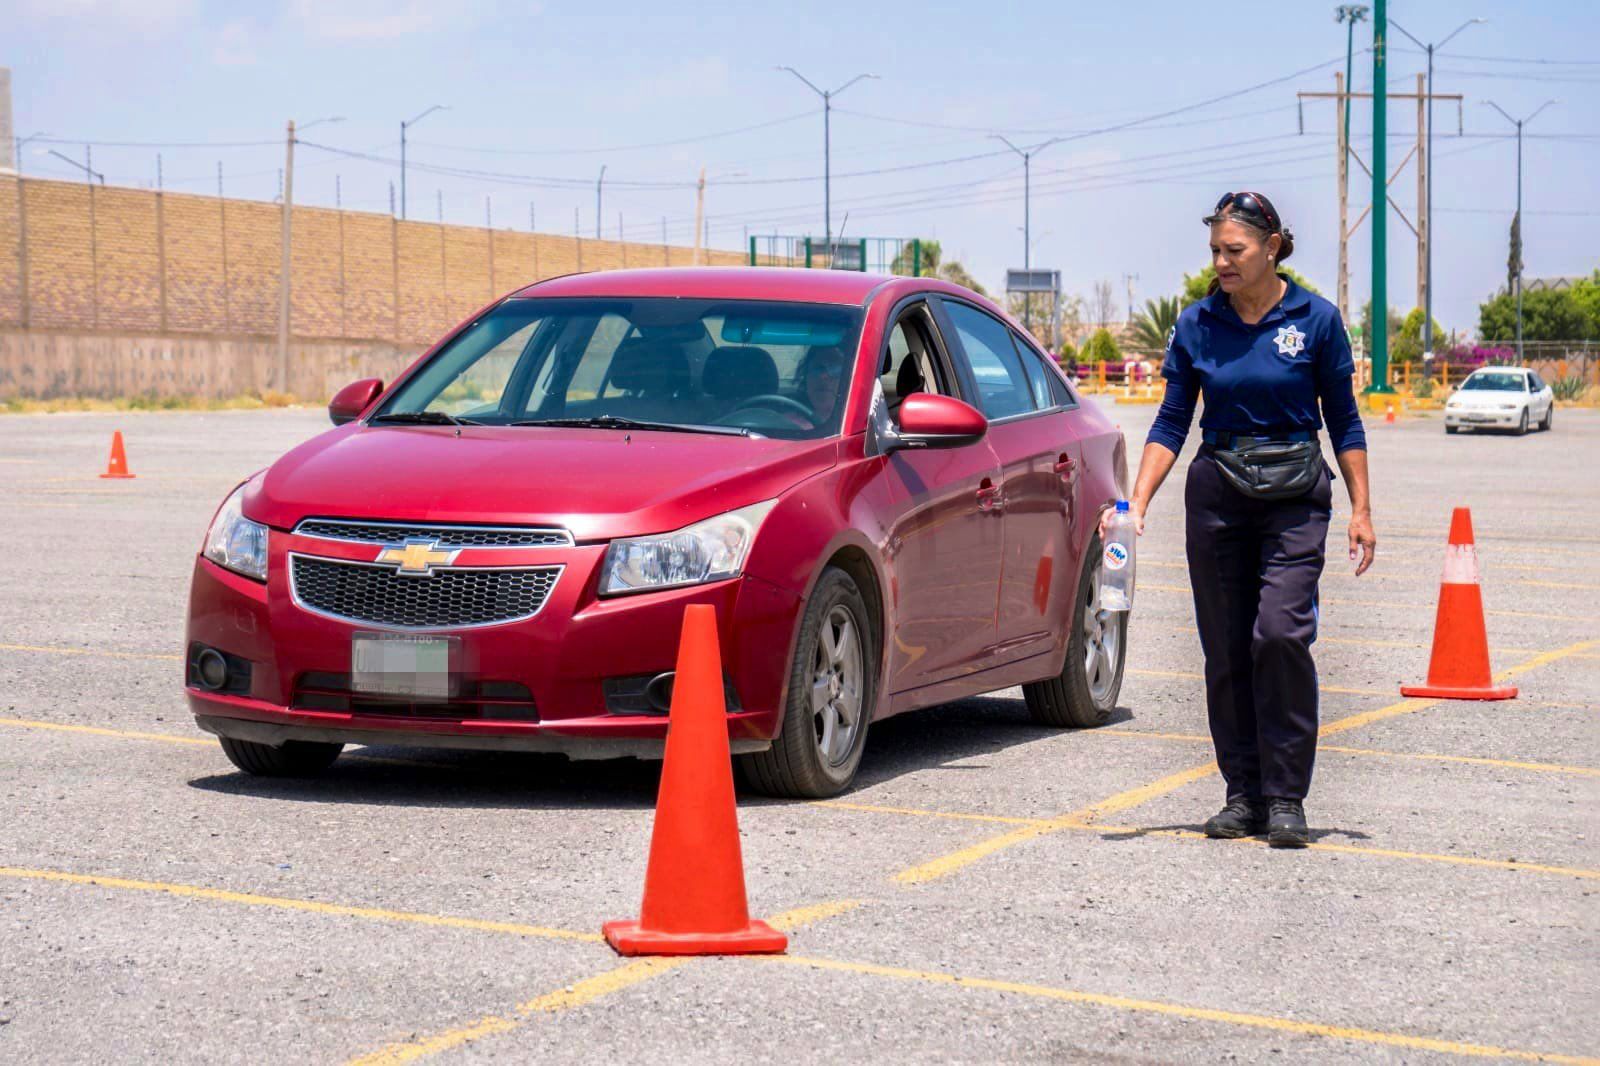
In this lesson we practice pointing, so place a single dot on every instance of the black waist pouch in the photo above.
(1272, 470)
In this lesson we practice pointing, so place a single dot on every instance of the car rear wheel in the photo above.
(1522, 424)
(832, 690)
(1085, 693)
(1549, 418)
(297, 758)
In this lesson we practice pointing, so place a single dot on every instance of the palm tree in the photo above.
(1152, 325)
(934, 266)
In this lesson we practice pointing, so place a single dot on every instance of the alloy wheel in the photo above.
(1102, 642)
(836, 689)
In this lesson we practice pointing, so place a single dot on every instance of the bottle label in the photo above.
(1116, 557)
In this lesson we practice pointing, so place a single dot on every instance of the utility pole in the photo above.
(1128, 280)
(283, 267)
(1425, 188)
(405, 125)
(1027, 155)
(599, 182)
(827, 152)
(1380, 218)
(1344, 197)
(1519, 123)
(286, 242)
(699, 214)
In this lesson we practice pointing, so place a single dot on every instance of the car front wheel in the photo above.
(1085, 693)
(832, 690)
(297, 758)
(1522, 424)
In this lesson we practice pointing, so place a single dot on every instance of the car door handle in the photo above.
(1067, 467)
(989, 499)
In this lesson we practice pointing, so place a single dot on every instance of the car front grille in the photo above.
(446, 599)
(446, 536)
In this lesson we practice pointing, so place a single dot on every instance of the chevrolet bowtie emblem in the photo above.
(417, 558)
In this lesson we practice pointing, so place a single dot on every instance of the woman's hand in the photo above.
(1363, 542)
(1135, 508)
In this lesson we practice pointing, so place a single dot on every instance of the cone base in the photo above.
(757, 938)
(1450, 692)
(119, 477)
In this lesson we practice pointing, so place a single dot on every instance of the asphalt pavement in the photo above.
(991, 891)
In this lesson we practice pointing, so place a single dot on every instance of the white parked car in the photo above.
(1500, 397)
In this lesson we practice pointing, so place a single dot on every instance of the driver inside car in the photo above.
(821, 380)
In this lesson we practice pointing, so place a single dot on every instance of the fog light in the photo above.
(211, 669)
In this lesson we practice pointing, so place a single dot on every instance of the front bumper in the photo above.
(1477, 418)
(563, 656)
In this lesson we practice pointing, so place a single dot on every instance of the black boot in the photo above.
(1240, 817)
(1286, 824)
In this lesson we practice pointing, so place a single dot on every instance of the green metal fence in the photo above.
(873, 255)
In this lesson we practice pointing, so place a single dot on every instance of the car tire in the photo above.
(1452, 429)
(297, 758)
(1077, 698)
(1522, 426)
(808, 758)
(1549, 419)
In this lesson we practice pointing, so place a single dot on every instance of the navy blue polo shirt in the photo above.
(1260, 379)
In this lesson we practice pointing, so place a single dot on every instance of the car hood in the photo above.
(1485, 397)
(599, 484)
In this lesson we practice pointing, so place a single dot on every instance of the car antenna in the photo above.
(838, 239)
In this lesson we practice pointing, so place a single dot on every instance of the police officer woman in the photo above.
(1264, 353)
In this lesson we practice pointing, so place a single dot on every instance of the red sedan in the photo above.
(884, 487)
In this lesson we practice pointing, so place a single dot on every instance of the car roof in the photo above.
(789, 284)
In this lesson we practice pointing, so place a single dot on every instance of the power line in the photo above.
(770, 123)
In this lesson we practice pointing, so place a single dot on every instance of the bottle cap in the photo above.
(1122, 506)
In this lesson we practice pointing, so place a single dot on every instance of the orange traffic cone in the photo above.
(1388, 414)
(117, 465)
(694, 899)
(1459, 669)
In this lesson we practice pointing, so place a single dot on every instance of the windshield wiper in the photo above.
(424, 418)
(618, 422)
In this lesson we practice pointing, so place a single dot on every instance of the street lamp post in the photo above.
(1349, 14)
(1027, 155)
(1427, 208)
(403, 127)
(599, 182)
(87, 166)
(827, 149)
(1519, 123)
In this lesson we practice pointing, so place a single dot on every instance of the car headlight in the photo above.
(234, 542)
(706, 551)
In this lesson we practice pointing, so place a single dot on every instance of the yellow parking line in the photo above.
(946, 865)
(574, 995)
(868, 808)
(251, 899)
(125, 734)
(90, 651)
(578, 994)
(1474, 760)
(1207, 1014)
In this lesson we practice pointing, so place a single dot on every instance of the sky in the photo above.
(1162, 107)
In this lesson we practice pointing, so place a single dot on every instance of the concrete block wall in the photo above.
(148, 270)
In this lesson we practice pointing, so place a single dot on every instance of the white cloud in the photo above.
(235, 45)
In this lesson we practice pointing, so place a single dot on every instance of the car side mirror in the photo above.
(348, 403)
(928, 420)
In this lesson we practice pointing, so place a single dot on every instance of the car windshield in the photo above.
(1498, 382)
(731, 366)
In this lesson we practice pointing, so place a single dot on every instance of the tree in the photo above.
(934, 266)
(1101, 347)
(1514, 260)
(1155, 323)
(1547, 315)
(1586, 292)
(1405, 344)
(1197, 286)
(1103, 303)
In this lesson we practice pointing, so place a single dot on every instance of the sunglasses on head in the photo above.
(1250, 204)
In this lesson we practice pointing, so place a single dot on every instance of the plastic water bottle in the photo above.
(1116, 576)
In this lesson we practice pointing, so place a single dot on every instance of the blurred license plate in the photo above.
(389, 664)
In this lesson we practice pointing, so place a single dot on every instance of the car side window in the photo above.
(911, 363)
(1535, 382)
(1048, 388)
(1003, 386)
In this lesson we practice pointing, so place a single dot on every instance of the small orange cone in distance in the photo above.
(694, 898)
(1459, 669)
(117, 466)
(1388, 415)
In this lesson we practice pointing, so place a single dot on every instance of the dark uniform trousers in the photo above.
(1254, 566)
